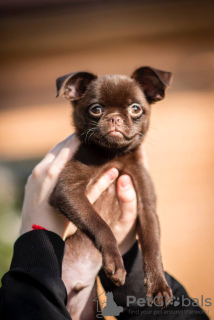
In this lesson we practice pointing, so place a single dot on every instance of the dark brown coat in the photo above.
(111, 116)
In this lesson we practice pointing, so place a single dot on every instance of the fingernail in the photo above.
(112, 174)
(125, 181)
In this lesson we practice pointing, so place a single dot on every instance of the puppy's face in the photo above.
(112, 111)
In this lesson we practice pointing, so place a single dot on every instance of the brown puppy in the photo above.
(111, 116)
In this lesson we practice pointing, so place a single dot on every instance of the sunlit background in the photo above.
(42, 40)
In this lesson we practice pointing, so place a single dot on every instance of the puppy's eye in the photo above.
(135, 110)
(96, 110)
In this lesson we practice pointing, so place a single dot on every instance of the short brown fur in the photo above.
(111, 116)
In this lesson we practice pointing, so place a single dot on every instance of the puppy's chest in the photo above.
(107, 205)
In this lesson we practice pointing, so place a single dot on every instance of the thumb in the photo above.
(127, 198)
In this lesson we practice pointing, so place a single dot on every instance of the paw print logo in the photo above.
(175, 301)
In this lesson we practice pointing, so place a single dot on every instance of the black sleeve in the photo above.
(32, 288)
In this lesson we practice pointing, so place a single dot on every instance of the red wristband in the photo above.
(37, 227)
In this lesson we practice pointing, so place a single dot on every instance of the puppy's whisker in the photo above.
(89, 130)
(92, 122)
(86, 132)
(91, 135)
(94, 129)
(150, 141)
(155, 129)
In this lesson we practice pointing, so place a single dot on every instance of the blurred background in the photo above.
(41, 40)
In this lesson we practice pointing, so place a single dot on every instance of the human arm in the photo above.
(33, 289)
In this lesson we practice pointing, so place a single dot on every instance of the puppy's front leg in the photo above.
(69, 198)
(149, 237)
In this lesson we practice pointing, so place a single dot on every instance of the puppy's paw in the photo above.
(157, 291)
(114, 268)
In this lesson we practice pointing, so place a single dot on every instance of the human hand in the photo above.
(124, 229)
(40, 184)
(36, 209)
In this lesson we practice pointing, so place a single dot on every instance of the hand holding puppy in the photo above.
(36, 209)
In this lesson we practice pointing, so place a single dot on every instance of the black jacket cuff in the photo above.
(39, 249)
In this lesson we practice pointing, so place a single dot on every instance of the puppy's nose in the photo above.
(115, 120)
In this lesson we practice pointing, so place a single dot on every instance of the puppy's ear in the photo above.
(153, 82)
(73, 85)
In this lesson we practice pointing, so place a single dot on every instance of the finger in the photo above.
(127, 198)
(60, 145)
(102, 184)
(65, 154)
(51, 155)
